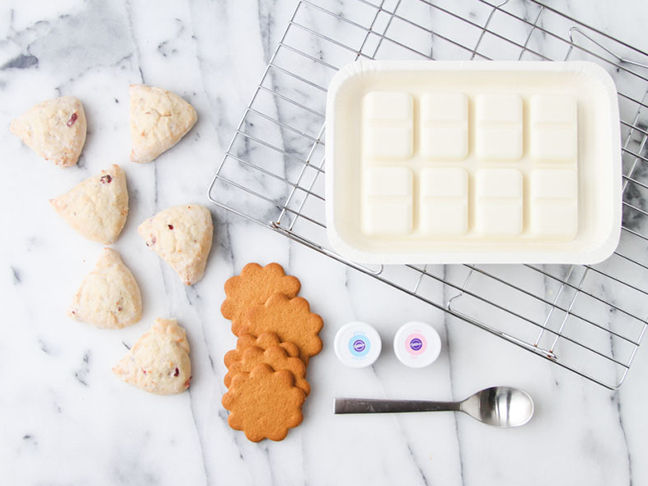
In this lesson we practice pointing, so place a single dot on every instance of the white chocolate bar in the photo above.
(471, 162)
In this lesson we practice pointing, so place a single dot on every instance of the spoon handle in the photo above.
(361, 405)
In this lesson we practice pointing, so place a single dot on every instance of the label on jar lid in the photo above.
(417, 344)
(357, 344)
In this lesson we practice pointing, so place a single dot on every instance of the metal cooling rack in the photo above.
(589, 319)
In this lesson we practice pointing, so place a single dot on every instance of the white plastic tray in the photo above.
(597, 165)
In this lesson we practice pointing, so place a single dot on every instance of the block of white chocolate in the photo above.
(388, 204)
(388, 125)
(443, 206)
(498, 202)
(554, 202)
(444, 126)
(554, 129)
(498, 134)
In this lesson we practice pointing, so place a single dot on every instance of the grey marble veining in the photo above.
(65, 419)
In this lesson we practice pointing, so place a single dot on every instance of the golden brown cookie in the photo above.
(263, 341)
(254, 286)
(274, 356)
(264, 403)
(290, 319)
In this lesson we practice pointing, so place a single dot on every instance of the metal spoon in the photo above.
(501, 406)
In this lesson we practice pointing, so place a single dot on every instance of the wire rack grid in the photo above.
(588, 319)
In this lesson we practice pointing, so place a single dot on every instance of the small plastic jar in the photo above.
(357, 344)
(417, 344)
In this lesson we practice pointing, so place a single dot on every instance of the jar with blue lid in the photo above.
(357, 344)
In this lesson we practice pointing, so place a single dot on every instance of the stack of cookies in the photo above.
(277, 335)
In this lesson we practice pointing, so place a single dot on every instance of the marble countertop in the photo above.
(66, 420)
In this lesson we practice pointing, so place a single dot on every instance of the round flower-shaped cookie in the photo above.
(290, 319)
(274, 356)
(254, 286)
(263, 341)
(264, 403)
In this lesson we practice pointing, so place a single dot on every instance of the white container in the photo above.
(357, 344)
(417, 344)
(473, 162)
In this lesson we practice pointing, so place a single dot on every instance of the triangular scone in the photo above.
(159, 361)
(182, 237)
(158, 120)
(97, 207)
(54, 129)
(109, 296)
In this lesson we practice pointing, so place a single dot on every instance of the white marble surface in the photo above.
(66, 420)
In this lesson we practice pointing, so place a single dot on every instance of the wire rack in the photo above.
(588, 319)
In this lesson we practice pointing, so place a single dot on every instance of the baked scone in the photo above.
(159, 361)
(158, 120)
(97, 207)
(54, 129)
(109, 296)
(182, 237)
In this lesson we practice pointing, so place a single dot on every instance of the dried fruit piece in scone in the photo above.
(54, 129)
(158, 120)
(182, 237)
(109, 296)
(290, 319)
(254, 286)
(264, 403)
(159, 361)
(263, 341)
(97, 207)
(274, 356)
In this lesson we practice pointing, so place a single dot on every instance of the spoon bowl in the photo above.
(499, 406)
